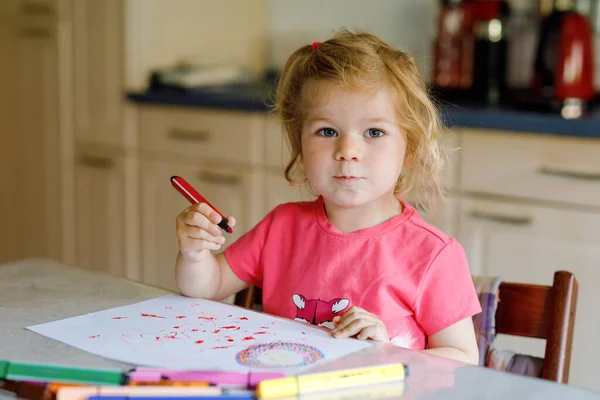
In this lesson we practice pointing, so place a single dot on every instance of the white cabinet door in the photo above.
(100, 212)
(230, 191)
(527, 243)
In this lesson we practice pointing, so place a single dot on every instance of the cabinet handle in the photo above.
(589, 176)
(219, 179)
(504, 219)
(190, 136)
(35, 33)
(36, 9)
(95, 162)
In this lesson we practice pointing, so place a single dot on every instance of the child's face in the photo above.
(352, 146)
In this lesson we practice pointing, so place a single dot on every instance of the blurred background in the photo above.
(102, 101)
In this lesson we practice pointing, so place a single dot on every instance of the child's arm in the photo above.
(457, 342)
(198, 272)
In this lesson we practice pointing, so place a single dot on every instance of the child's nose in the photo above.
(348, 149)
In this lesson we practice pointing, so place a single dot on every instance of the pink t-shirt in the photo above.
(412, 276)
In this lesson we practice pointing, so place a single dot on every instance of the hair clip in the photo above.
(314, 45)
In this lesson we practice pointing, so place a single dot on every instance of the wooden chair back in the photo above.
(544, 312)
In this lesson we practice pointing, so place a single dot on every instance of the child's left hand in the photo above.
(358, 321)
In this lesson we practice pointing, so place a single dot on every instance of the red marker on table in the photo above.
(194, 197)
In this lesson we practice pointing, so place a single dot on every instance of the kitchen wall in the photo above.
(408, 25)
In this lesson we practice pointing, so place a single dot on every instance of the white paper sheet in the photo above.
(179, 332)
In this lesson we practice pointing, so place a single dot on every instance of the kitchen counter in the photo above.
(36, 291)
(257, 98)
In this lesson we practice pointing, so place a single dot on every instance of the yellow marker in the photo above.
(342, 379)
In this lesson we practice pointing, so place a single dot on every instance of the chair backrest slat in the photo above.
(544, 312)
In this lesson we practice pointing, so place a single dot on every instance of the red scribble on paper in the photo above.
(195, 304)
(204, 330)
(230, 340)
(194, 330)
(244, 318)
(273, 323)
(221, 347)
(180, 316)
(157, 338)
(199, 341)
(230, 315)
(168, 307)
(265, 327)
(151, 315)
(207, 318)
(248, 338)
(216, 331)
(94, 337)
(176, 327)
(303, 333)
(118, 317)
(260, 333)
(171, 336)
(237, 328)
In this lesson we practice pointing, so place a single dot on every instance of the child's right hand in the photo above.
(198, 232)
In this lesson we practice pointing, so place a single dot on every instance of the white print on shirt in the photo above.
(406, 340)
(318, 312)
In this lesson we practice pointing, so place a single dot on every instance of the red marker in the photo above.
(194, 197)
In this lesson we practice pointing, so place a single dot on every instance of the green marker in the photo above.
(3, 369)
(57, 373)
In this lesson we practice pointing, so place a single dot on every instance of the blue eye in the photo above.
(327, 132)
(374, 133)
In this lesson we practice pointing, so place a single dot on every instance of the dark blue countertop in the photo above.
(256, 98)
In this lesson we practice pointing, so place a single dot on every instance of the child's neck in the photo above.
(352, 219)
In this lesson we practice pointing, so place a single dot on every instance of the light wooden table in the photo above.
(36, 291)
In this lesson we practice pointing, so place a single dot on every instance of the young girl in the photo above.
(359, 259)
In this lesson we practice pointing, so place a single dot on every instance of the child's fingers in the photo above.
(373, 332)
(231, 221)
(200, 220)
(199, 233)
(352, 328)
(352, 316)
(189, 245)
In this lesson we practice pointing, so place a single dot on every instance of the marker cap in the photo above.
(277, 388)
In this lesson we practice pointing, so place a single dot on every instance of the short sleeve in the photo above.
(447, 294)
(244, 256)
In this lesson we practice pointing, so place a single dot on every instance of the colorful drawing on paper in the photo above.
(279, 354)
(179, 332)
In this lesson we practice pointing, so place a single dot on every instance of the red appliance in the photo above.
(564, 66)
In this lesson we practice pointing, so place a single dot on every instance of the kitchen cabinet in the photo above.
(31, 143)
(11, 201)
(38, 125)
(97, 71)
(524, 242)
(99, 210)
(230, 189)
(279, 191)
(528, 206)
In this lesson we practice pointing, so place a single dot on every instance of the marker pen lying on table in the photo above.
(20, 371)
(249, 380)
(194, 197)
(324, 381)
(83, 392)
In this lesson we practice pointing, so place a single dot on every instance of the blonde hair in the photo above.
(363, 61)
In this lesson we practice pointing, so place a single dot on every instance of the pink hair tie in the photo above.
(314, 45)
